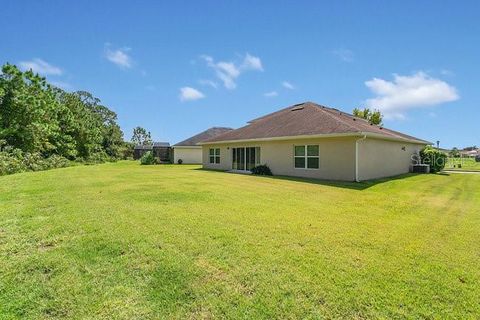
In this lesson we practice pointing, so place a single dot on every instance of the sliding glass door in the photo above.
(238, 159)
(245, 158)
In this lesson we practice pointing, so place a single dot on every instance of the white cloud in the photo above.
(344, 54)
(119, 57)
(252, 63)
(210, 83)
(41, 66)
(288, 85)
(394, 98)
(271, 94)
(190, 94)
(229, 71)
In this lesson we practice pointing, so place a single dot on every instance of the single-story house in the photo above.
(313, 141)
(469, 153)
(189, 151)
(161, 150)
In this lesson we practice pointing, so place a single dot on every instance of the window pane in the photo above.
(299, 162)
(312, 151)
(217, 152)
(212, 151)
(312, 163)
(212, 159)
(299, 151)
(217, 159)
(257, 155)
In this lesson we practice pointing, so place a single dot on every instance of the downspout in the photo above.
(356, 156)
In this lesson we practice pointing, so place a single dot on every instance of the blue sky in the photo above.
(178, 67)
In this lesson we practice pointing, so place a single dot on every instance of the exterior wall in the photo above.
(381, 158)
(192, 155)
(337, 157)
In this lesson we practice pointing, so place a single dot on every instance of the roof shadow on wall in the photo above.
(331, 183)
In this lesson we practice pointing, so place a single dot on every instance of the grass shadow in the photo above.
(331, 183)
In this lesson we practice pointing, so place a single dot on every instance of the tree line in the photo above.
(42, 121)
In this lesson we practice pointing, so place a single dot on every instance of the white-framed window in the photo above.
(214, 154)
(307, 157)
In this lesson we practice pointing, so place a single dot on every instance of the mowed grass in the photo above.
(462, 164)
(124, 241)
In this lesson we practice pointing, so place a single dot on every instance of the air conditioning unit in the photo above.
(420, 168)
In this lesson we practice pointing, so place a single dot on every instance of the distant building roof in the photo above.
(154, 145)
(161, 144)
(202, 136)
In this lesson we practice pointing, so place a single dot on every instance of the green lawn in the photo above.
(465, 164)
(126, 241)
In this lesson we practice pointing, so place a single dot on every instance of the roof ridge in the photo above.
(215, 127)
(330, 113)
(366, 122)
(278, 111)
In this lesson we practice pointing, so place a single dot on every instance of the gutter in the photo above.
(315, 136)
(187, 147)
(356, 156)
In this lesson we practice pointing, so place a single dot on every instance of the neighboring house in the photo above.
(469, 154)
(189, 151)
(161, 150)
(310, 140)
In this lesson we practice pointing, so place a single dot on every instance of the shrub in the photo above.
(180, 161)
(56, 161)
(148, 158)
(477, 158)
(14, 161)
(262, 170)
(127, 150)
(97, 157)
(433, 157)
(11, 162)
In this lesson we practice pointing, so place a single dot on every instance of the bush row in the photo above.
(13, 161)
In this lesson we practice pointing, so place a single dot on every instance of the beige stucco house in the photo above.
(189, 151)
(314, 141)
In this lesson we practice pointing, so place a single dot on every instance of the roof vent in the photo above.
(295, 108)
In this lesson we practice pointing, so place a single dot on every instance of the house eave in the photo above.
(187, 147)
(320, 136)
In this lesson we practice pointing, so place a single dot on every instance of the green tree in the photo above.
(374, 117)
(30, 113)
(36, 117)
(141, 137)
(454, 153)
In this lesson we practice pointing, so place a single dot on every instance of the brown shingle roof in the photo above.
(306, 119)
(202, 136)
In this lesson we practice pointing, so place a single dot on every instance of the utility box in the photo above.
(420, 168)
